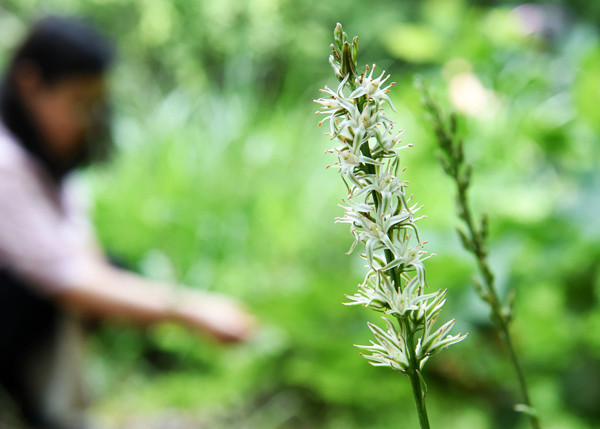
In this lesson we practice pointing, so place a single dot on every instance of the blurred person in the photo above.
(52, 273)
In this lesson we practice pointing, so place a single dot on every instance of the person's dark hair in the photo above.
(59, 48)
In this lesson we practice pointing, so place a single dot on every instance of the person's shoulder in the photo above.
(11, 153)
(14, 160)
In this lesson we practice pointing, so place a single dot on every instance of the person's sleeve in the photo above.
(37, 241)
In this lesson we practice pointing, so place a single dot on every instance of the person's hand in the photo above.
(219, 316)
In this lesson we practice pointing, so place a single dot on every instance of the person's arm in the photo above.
(40, 244)
(107, 292)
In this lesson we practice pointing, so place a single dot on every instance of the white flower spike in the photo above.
(378, 212)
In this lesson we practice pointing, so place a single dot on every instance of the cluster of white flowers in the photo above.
(381, 216)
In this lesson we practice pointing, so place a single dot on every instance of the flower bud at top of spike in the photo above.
(335, 53)
(348, 65)
(354, 49)
(338, 35)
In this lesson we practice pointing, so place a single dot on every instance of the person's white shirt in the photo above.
(46, 238)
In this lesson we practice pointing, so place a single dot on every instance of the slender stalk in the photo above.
(415, 380)
(474, 238)
(533, 419)
(498, 315)
(413, 372)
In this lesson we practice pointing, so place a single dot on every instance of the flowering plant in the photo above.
(383, 218)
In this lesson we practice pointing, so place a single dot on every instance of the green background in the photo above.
(219, 182)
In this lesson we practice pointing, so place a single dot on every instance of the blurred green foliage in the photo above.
(219, 183)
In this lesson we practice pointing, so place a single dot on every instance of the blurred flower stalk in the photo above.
(473, 235)
(383, 218)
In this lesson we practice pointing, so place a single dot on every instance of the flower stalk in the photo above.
(382, 218)
(473, 236)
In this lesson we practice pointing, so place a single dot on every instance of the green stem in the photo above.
(414, 370)
(533, 419)
(415, 379)
(499, 317)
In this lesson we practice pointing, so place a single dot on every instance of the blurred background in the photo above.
(219, 182)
